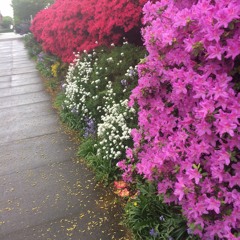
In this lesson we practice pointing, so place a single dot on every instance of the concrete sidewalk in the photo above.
(45, 193)
(9, 36)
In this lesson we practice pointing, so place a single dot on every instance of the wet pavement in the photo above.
(46, 193)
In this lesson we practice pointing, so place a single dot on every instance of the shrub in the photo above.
(51, 67)
(97, 87)
(74, 26)
(7, 22)
(44, 64)
(188, 136)
(87, 96)
(33, 47)
(114, 132)
(23, 9)
(23, 27)
(150, 218)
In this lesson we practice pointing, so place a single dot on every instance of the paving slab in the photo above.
(23, 99)
(5, 72)
(40, 153)
(5, 66)
(15, 129)
(30, 110)
(23, 70)
(23, 64)
(30, 88)
(5, 60)
(5, 79)
(9, 36)
(25, 76)
(18, 81)
(46, 192)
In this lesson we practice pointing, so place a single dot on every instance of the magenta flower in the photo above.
(194, 174)
(213, 204)
(215, 51)
(203, 128)
(180, 188)
(226, 15)
(225, 125)
(233, 46)
(213, 33)
(188, 120)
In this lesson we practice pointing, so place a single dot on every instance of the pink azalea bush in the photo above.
(189, 112)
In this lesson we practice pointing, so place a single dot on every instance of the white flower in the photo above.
(110, 59)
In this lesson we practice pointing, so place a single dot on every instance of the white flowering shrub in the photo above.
(96, 91)
(77, 91)
(114, 131)
(87, 79)
(82, 91)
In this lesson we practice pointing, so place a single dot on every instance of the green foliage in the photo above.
(66, 117)
(44, 60)
(235, 73)
(114, 70)
(107, 65)
(71, 120)
(51, 84)
(32, 46)
(44, 64)
(58, 101)
(97, 89)
(44, 68)
(23, 9)
(50, 67)
(7, 22)
(103, 169)
(150, 218)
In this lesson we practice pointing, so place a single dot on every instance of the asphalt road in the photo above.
(46, 193)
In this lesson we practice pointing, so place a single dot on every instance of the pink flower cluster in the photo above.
(188, 139)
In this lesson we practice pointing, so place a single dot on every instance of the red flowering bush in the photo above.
(188, 139)
(70, 26)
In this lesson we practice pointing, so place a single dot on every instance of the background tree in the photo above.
(1, 18)
(23, 9)
(7, 22)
